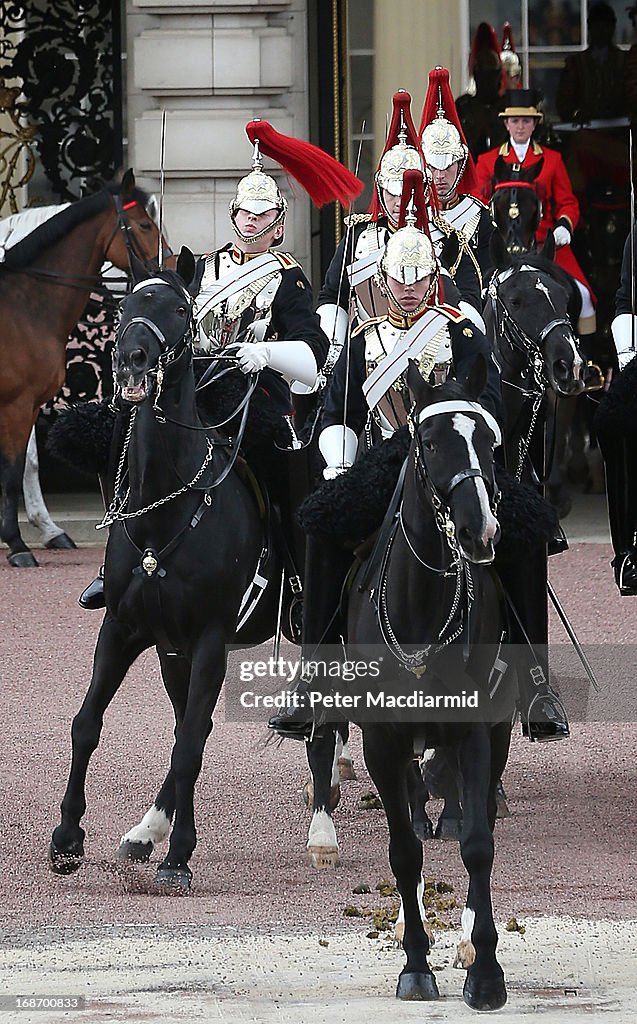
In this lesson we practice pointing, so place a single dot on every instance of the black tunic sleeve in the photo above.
(293, 316)
(334, 408)
(623, 298)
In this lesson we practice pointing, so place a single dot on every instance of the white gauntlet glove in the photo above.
(252, 356)
(338, 446)
(562, 236)
(624, 330)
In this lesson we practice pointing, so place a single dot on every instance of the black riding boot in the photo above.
(326, 567)
(92, 597)
(621, 492)
(541, 709)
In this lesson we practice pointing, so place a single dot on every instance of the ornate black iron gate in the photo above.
(60, 92)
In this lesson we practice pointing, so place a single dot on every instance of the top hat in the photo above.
(522, 103)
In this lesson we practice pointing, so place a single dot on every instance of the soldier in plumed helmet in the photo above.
(451, 171)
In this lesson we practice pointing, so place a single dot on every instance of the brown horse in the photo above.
(45, 283)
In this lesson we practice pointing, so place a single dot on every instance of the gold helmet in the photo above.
(258, 192)
(510, 60)
(401, 153)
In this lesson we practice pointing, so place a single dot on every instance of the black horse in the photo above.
(515, 206)
(186, 545)
(433, 606)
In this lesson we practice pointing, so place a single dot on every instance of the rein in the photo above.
(457, 563)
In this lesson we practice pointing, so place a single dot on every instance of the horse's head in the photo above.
(515, 207)
(529, 296)
(454, 442)
(154, 331)
(132, 239)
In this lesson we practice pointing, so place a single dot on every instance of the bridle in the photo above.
(458, 564)
(514, 210)
(170, 353)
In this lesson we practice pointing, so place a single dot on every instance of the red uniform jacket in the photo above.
(559, 202)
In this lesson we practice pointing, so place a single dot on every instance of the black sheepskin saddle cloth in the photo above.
(615, 413)
(82, 435)
(349, 509)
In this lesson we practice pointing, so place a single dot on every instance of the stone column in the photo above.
(411, 37)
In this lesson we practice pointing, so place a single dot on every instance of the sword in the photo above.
(632, 238)
(573, 637)
(162, 156)
(338, 296)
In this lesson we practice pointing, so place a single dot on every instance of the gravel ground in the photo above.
(568, 849)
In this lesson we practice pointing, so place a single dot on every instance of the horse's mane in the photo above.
(542, 263)
(57, 227)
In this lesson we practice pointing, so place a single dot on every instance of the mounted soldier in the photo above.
(452, 174)
(350, 288)
(367, 399)
(560, 208)
(253, 301)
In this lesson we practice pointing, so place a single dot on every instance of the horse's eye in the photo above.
(181, 311)
(429, 445)
(516, 302)
(145, 225)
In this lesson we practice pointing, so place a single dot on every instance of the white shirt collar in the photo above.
(520, 150)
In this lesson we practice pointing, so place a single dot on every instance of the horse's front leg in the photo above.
(206, 678)
(388, 755)
(11, 473)
(117, 648)
(53, 535)
(484, 987)
(323, 752)
(139, 842)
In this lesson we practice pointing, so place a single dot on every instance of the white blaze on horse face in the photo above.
(541, 287)
(153, 828)
(465, 426)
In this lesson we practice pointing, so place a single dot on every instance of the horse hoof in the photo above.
(22, 560)
(418, 985)
(65, 863)
(487, 994)
(323, 857)
(346, 771)
(138, 852)
(449, 829)
(423, 829)
(61, 543)
(174, 880)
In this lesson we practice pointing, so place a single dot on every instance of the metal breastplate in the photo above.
(368, 299)
(380, 339)
(227, 323)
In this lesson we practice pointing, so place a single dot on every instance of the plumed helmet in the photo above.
(323, 178)
(442, 138)
(409, 254)
(401, 153)
(510, 60)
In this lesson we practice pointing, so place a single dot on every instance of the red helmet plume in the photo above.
(323, 178)
(402, 151)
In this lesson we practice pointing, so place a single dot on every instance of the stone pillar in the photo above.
(212, 65)
(411, 37)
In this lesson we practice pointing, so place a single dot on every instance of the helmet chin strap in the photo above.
(421, 305)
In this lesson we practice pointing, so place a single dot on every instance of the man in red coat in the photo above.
(560, 208)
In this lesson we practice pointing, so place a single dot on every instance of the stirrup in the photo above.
(547, 730)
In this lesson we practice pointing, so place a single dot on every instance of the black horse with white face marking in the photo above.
(434, 603)
(185, 546)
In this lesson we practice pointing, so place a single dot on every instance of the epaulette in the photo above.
(367, 323)
(453, 314)
(286, 260)
(357, 218)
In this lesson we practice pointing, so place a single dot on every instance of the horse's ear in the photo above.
(138, 269)
(186, 265)
(500, 256)
(476, 380)
(548, 249)
(530, 173)
(128, 185)
(450, 251)
(420, 391)
(501, 171)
